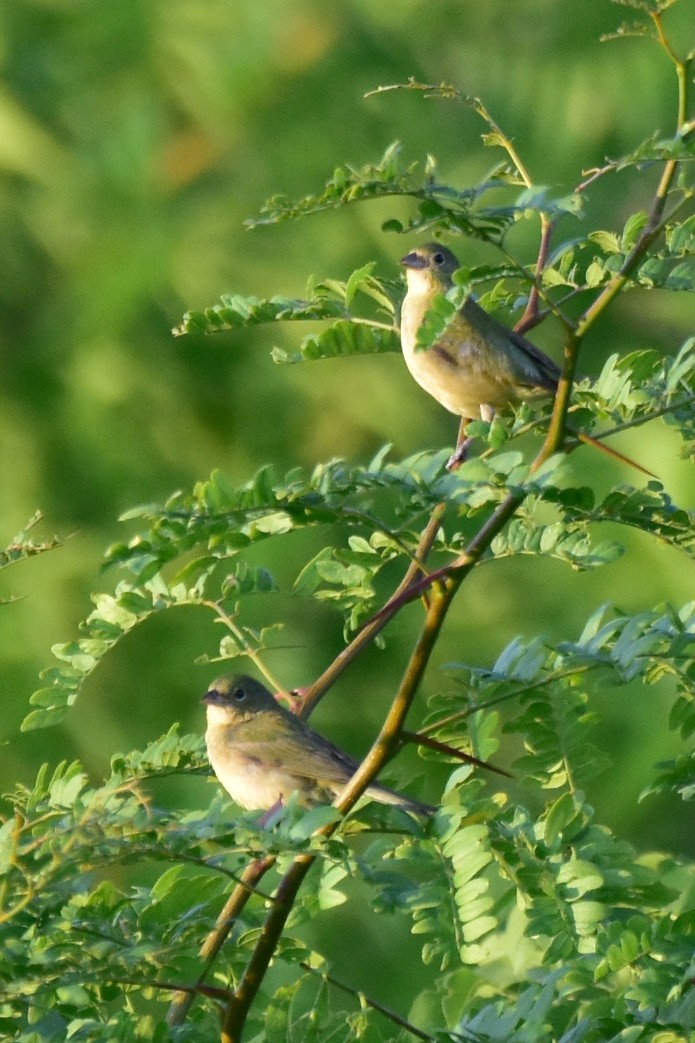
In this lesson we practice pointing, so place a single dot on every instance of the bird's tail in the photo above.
(588, 440)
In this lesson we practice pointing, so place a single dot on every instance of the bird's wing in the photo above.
(547, 369)
(526, 364)
(327, 761)
(303, 755)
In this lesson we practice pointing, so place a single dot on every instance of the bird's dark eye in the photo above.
(438, 258)
(238, 694)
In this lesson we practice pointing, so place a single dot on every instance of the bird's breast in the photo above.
(253, 776)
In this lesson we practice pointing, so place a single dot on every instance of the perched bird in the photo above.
(261, 753)
(478, 365)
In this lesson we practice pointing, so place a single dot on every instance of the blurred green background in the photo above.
(135, 138)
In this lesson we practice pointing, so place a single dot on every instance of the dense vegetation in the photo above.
(533, 608)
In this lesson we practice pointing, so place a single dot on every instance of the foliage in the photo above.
(536, 921)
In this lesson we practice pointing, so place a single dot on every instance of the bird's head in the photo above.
(233, 698)
(429, 267)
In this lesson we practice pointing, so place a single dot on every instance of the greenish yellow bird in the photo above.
(261, 753)
(478, 365)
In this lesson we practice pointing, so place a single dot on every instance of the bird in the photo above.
(261, 753)
(478, 365)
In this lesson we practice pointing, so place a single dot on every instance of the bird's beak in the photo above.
(413, 260)
(212, 697)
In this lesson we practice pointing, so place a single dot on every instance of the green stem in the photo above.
(240, 639)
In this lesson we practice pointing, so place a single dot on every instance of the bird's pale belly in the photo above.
(465, 392)
(251, 783)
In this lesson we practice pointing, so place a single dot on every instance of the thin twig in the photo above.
(313, 693)
(504, 697)
(532, 315)
(442, 747)
(362, 998)
(249, 650)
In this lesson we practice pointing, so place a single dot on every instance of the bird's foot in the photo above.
(459, 454)
(296, 699)
(268, 818)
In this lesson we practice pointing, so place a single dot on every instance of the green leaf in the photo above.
(237, 312)
(608, 241)
(632, 230)
(343, 338)
(558, 815)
